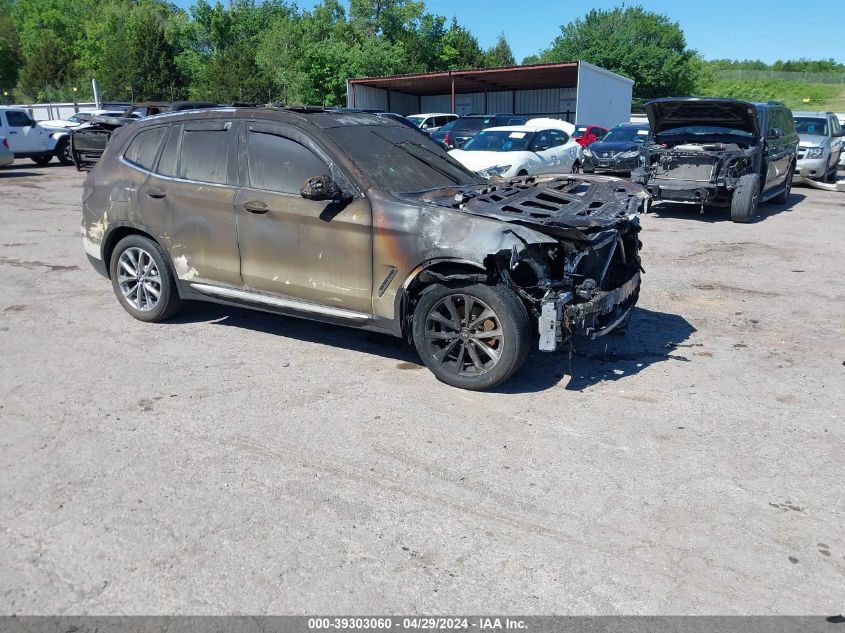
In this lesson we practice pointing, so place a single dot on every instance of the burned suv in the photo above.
(719, 152)
(358, 220)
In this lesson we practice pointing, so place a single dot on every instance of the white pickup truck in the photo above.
(28, 139)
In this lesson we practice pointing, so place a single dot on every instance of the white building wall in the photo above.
(366, 97)
(435, 103)
(604, 98)
(404, 104)
(500, 102)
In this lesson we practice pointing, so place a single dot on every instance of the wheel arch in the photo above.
(116, 232)
(427, 274)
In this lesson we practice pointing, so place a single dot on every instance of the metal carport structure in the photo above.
(578, 92)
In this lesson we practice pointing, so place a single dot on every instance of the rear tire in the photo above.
(473, 337)
(783, 196)
(63, 152)
(746, 199)
(41, 160)
(143, 280)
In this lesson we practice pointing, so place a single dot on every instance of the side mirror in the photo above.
(541, 148)
(775, 133)
(322, 188)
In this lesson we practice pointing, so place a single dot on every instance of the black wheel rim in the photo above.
(464, 335)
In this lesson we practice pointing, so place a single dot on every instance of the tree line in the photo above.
(274, 51)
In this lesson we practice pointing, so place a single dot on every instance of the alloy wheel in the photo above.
(139, 278)
(464, 334)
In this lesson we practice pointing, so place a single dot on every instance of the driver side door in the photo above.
(319, 252)
(546, 151)
(24, 135)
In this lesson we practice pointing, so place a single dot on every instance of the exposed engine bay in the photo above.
(586, 279)
(695, 170)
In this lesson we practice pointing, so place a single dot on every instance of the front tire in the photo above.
(142, 279)
(41, 160)
(63, 152)
(746, 199)
(473, 337)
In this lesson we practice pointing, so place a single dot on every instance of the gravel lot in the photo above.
(237, 462)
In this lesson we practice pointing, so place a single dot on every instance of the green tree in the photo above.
(500, 54)
(460, 49)
(10, 59)
(47, 69)
(645, 46)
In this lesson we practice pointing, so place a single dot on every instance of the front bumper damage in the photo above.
(560, 318)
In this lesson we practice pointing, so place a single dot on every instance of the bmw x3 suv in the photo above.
(358, 220)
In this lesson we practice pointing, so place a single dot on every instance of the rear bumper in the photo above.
(560, 318)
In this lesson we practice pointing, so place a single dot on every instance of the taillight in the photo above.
(5, 143)
(446, 138)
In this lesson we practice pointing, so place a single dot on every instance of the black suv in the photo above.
(719, 152)
(459, 131)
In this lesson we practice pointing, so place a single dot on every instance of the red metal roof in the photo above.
(559, 75)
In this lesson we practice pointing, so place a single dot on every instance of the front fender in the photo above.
(55, 137)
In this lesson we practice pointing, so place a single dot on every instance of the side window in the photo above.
(143, 148)
(834, 125)
(170, 153)
(542, 141)
(18, 119)
(440, 121)
(558, 138)
(787, 122)
(276, 163)
(205, 154)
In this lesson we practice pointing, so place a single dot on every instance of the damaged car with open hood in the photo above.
(719, 152)
(358, 220)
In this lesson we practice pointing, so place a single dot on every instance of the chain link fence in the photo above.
(763, 75)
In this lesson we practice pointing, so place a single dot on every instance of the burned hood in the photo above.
(667, 114)
(560, 205)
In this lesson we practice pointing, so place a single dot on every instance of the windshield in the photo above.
(498, 141)
(416, 120)
(400, 159)
(74, 118)
(811, 125)
(626, 135)
(706, 130)
(471, 124)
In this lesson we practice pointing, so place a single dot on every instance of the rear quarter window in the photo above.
(144, 147)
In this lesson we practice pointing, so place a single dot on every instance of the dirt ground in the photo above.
(236, 462)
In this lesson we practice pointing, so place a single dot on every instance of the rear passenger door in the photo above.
(192, 189)
(319, 252)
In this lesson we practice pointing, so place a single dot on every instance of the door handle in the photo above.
(155, 193)
(10, 132)
(253, 206)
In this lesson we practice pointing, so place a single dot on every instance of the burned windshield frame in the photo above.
(399, 159)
